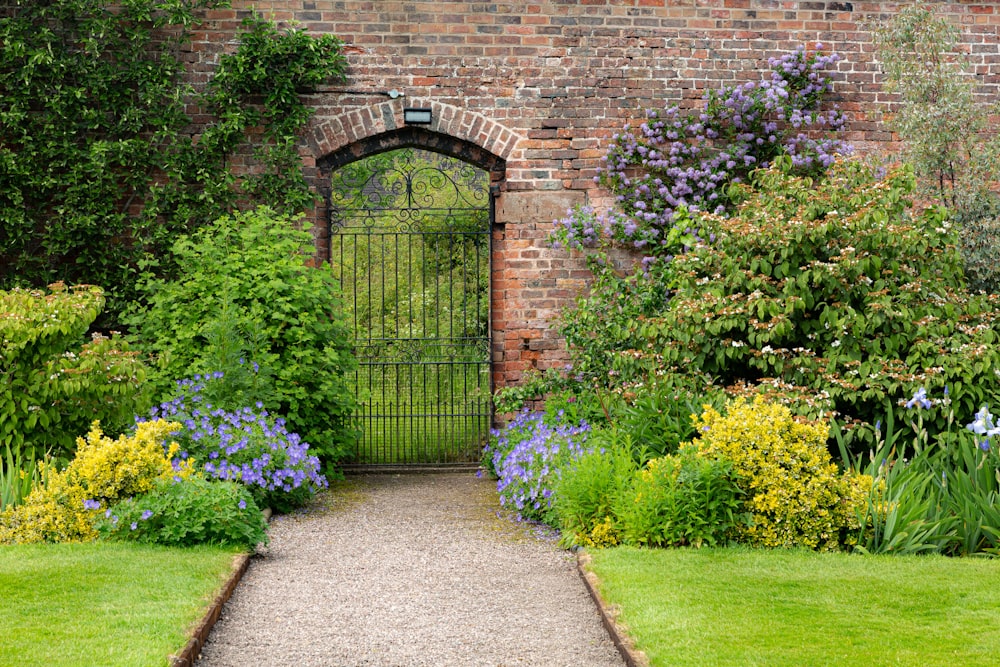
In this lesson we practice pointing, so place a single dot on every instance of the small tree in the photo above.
(945, 131)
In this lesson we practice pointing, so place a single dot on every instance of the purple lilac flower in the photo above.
(685, 160)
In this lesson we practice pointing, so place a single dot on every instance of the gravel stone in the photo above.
(409, 570)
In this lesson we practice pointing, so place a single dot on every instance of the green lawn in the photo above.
(743, 607)
(103, 604)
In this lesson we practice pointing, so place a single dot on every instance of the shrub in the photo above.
(835, 289)
(187, 512)
(253, 267)
(528, 456)
(682, 500)
(103, 472)
(587, 491)
(52, 385)
(246, 445)
(794, 492)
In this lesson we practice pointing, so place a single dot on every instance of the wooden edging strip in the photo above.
(186, 656)
(631, 656)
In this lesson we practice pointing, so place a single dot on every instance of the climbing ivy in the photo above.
(101, 167)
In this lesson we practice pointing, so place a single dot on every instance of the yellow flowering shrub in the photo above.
(795, 494)
(103, 472)
(603, 534)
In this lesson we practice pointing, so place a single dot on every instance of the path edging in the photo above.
(632, 656)
(186, 656)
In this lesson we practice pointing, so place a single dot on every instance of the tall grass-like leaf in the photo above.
(18, 476)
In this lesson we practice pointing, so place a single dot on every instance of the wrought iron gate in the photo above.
(410, 239)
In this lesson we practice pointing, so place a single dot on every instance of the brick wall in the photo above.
(541, 84)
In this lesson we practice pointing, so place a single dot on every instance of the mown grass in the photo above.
(103, 604)
(744, 607)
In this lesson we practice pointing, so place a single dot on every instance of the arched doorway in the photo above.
(410, 239)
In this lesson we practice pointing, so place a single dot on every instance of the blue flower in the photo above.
(146, 514)
(89, 504)
(982, 423)
(134, 525)
(242, 504)
(920, 400)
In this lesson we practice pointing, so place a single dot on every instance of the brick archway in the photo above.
(452, 130)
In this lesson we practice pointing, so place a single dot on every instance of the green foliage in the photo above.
(587, 492)
(938, 492)
(682, 500)
(187, 512)
(252, 268)
(18, 476)
(52, 384)
(103, 472)
(794, 492)
(259, 86)
(98, 170)
(979, 229)
(831, 291)
(946, 132)
(658, 415)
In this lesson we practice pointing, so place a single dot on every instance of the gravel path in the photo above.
(409, 570)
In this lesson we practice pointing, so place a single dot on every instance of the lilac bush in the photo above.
(685, 160)
(247, 445)
(528, 456)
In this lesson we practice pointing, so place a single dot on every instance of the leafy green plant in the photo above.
(187, 512)
(936, 491)
(18, 476)
(99, 172)
(254, 267)
(794, 492)
(587, 492)
(946, 131)
(658, 414)
(52, 384)
(833, 291)
(682, 500)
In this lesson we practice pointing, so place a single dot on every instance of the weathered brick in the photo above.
(542, 85)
